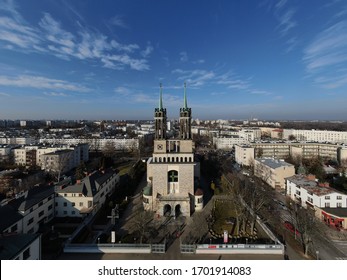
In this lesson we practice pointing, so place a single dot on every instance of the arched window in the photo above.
(185, 159)
(164, 159)
(177, 159)
(172, 176)
(160, 159)
(168, 159)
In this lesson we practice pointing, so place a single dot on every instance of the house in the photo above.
(329, 205)
(85, 196)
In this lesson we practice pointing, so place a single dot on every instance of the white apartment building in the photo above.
(5, 152)
(32, 155)
(85, 197)
(244, 154)
(273, 171)
(329, 205)
(96, 143)
(17, 140)
(316, 135)
(227, 143)
(60, 161)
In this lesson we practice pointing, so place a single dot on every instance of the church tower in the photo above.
(172, 170)
(185, 119)
(160, 118)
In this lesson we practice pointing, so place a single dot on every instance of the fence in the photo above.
(115, 248)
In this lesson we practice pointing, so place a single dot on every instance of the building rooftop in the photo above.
(89, 185)
(311, 185)
(12, 245)
(32, 197)
(274, 163)
(9, 216)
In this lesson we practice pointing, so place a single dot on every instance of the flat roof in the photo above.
(274, 163)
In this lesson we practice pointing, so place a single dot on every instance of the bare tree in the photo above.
(140, 223)
(305, 223)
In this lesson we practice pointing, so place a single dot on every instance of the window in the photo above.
(30, 221)
(73, 204)
(339, 197)
(339, 204)
(80, 194)
(327, 204)
(297, 192)
(73, 212)
(31, 209)
(310, 199)
(65, 212)
(56, 204)
(65, 204)
(81, 203)
(50, 207)
(90, 203)
(65, 194)
(40, 204)
(173, 176)
(327, 197)
(41, 213)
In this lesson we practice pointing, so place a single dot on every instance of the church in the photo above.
(172, 170)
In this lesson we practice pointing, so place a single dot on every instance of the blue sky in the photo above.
(80, 59)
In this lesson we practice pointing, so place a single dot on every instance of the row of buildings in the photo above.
(23, 216)
(245, 154)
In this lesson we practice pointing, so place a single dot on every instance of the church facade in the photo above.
(172, 171)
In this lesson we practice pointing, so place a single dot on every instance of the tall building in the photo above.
(172, 171)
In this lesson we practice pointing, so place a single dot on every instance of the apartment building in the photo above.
(85, 197)
(329, 205)
(316, 135)
(96, 143)
(281, 150)
(273, 171)
(227, 143)
(244, 154)
(33, 155)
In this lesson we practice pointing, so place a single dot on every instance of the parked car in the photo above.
(291, 228)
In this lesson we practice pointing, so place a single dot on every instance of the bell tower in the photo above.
(160, 119)
(185, 119)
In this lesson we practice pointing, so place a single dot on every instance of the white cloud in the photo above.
(50, 37)
(55, 94)
(146, 52)
(183, 56)
(4, 94)
(326, 56)
(40, 83)
(118, 21)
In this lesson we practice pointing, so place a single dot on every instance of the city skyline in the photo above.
(85, 60)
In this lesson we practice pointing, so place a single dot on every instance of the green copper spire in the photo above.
(161, 98)
(185, 106)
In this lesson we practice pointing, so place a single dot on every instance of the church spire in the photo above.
(161, 97)
(185, 106)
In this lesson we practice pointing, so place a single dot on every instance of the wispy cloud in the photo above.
(50, 37)
(194, 78)
(59, 94)
(4, 94)
(326, 56)
(118, 20)
(233, 81)
(183, 56)
(40, 83)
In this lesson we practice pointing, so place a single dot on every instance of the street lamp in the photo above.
(98, 240)
(317, 253)
(210, 240)
(246, 240)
